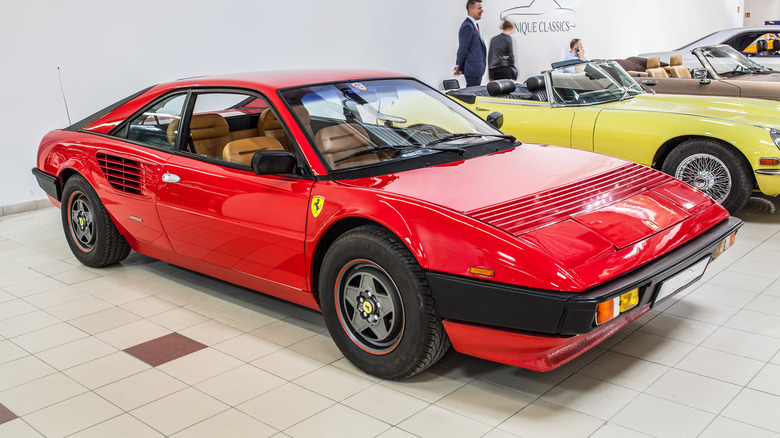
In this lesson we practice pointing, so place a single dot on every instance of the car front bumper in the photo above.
(540, 329)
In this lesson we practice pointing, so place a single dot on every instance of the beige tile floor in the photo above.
(705, 363)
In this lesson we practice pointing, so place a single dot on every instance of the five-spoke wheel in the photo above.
(377, 305)
(91, 234)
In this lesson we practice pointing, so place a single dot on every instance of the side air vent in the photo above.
(524, 214)
(123, 174)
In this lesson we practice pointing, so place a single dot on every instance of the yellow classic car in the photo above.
(726, 147)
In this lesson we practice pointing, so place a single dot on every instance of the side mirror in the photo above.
(273, 162)
(496, 119)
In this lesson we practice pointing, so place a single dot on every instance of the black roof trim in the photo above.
(81, 124)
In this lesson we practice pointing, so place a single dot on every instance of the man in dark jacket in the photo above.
(472, 52)
(501, 56)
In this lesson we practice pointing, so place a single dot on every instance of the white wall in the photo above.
(106, 50)
(761, 10)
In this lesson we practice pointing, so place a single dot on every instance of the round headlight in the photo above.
(775, 134)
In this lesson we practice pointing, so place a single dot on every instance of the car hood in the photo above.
(532, 186)
(741, 110)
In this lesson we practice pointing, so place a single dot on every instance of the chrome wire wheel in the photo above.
(369, 307)
(707, 173)
(82, 224)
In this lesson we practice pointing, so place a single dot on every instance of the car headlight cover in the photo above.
(775, 134)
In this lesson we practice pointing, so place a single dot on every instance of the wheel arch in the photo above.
(666, 148)
(333, 232)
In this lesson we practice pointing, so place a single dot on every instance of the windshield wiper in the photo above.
(467, 135)
(415, 146)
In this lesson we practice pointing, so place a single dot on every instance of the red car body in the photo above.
(518, 246)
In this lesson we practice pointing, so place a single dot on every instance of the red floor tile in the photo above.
(6, 415)
(165, 349)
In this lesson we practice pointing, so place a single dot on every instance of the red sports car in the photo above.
(409, 228)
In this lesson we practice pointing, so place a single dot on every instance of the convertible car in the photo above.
(409, 232)
(760, 43)
(726, 147)
(723, 72)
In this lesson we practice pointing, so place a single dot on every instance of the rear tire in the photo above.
(377, 305)
(91, 234)
(713, 168)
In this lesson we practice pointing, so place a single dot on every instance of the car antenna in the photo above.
(63, 96)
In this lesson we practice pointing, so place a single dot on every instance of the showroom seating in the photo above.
(678, 70)
(654, 68)
(241, 151)
(339, 141)
(535, 85)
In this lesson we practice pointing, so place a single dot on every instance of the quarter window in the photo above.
(157, 125)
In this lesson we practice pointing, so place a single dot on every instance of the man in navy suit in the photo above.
(472, 52)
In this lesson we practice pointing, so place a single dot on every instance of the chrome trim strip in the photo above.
(768, 171)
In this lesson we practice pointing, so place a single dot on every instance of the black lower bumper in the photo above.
(562, 313)
(49, 183)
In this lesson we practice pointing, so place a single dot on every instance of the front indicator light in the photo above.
(765, 161)
(485, 272)
(608, 310)
(725, 244)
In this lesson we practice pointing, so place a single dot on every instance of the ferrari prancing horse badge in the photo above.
(317, 203)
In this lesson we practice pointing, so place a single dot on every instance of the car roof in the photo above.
(264, 80)
(721, 35)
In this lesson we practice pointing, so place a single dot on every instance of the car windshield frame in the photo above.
(387, 120)
(590, 83)
(722, 61)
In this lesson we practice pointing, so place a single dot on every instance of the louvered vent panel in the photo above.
(123, 174)
(529, 212)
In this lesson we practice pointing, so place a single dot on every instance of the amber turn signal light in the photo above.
(609, 310)
(725, 244)
(769, 161)
(485, 272)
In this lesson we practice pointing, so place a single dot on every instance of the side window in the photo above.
(233, 126)
(157, 125)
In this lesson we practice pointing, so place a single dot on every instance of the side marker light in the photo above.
(485, 272)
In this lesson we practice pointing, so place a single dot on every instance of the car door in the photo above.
(532, 122)
(221, 213)
(708, 87)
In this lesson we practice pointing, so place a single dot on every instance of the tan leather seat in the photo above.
(241, 151)
(339, 141)
(654, 68)
(209, 133)
(269, 126)
(678, 70)
(304, 117)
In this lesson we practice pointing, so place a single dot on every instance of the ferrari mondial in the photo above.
(410, 231)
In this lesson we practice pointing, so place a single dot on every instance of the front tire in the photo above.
(713, 168)
(377, 305)
(91, 234)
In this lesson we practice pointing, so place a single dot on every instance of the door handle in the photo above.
(170, 178)
(650, 82)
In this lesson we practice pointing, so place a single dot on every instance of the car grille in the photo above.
(530, 212)
(123, 174)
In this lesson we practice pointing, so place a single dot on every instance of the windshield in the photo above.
(593, 83)
(376, 121)
(725, 61)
